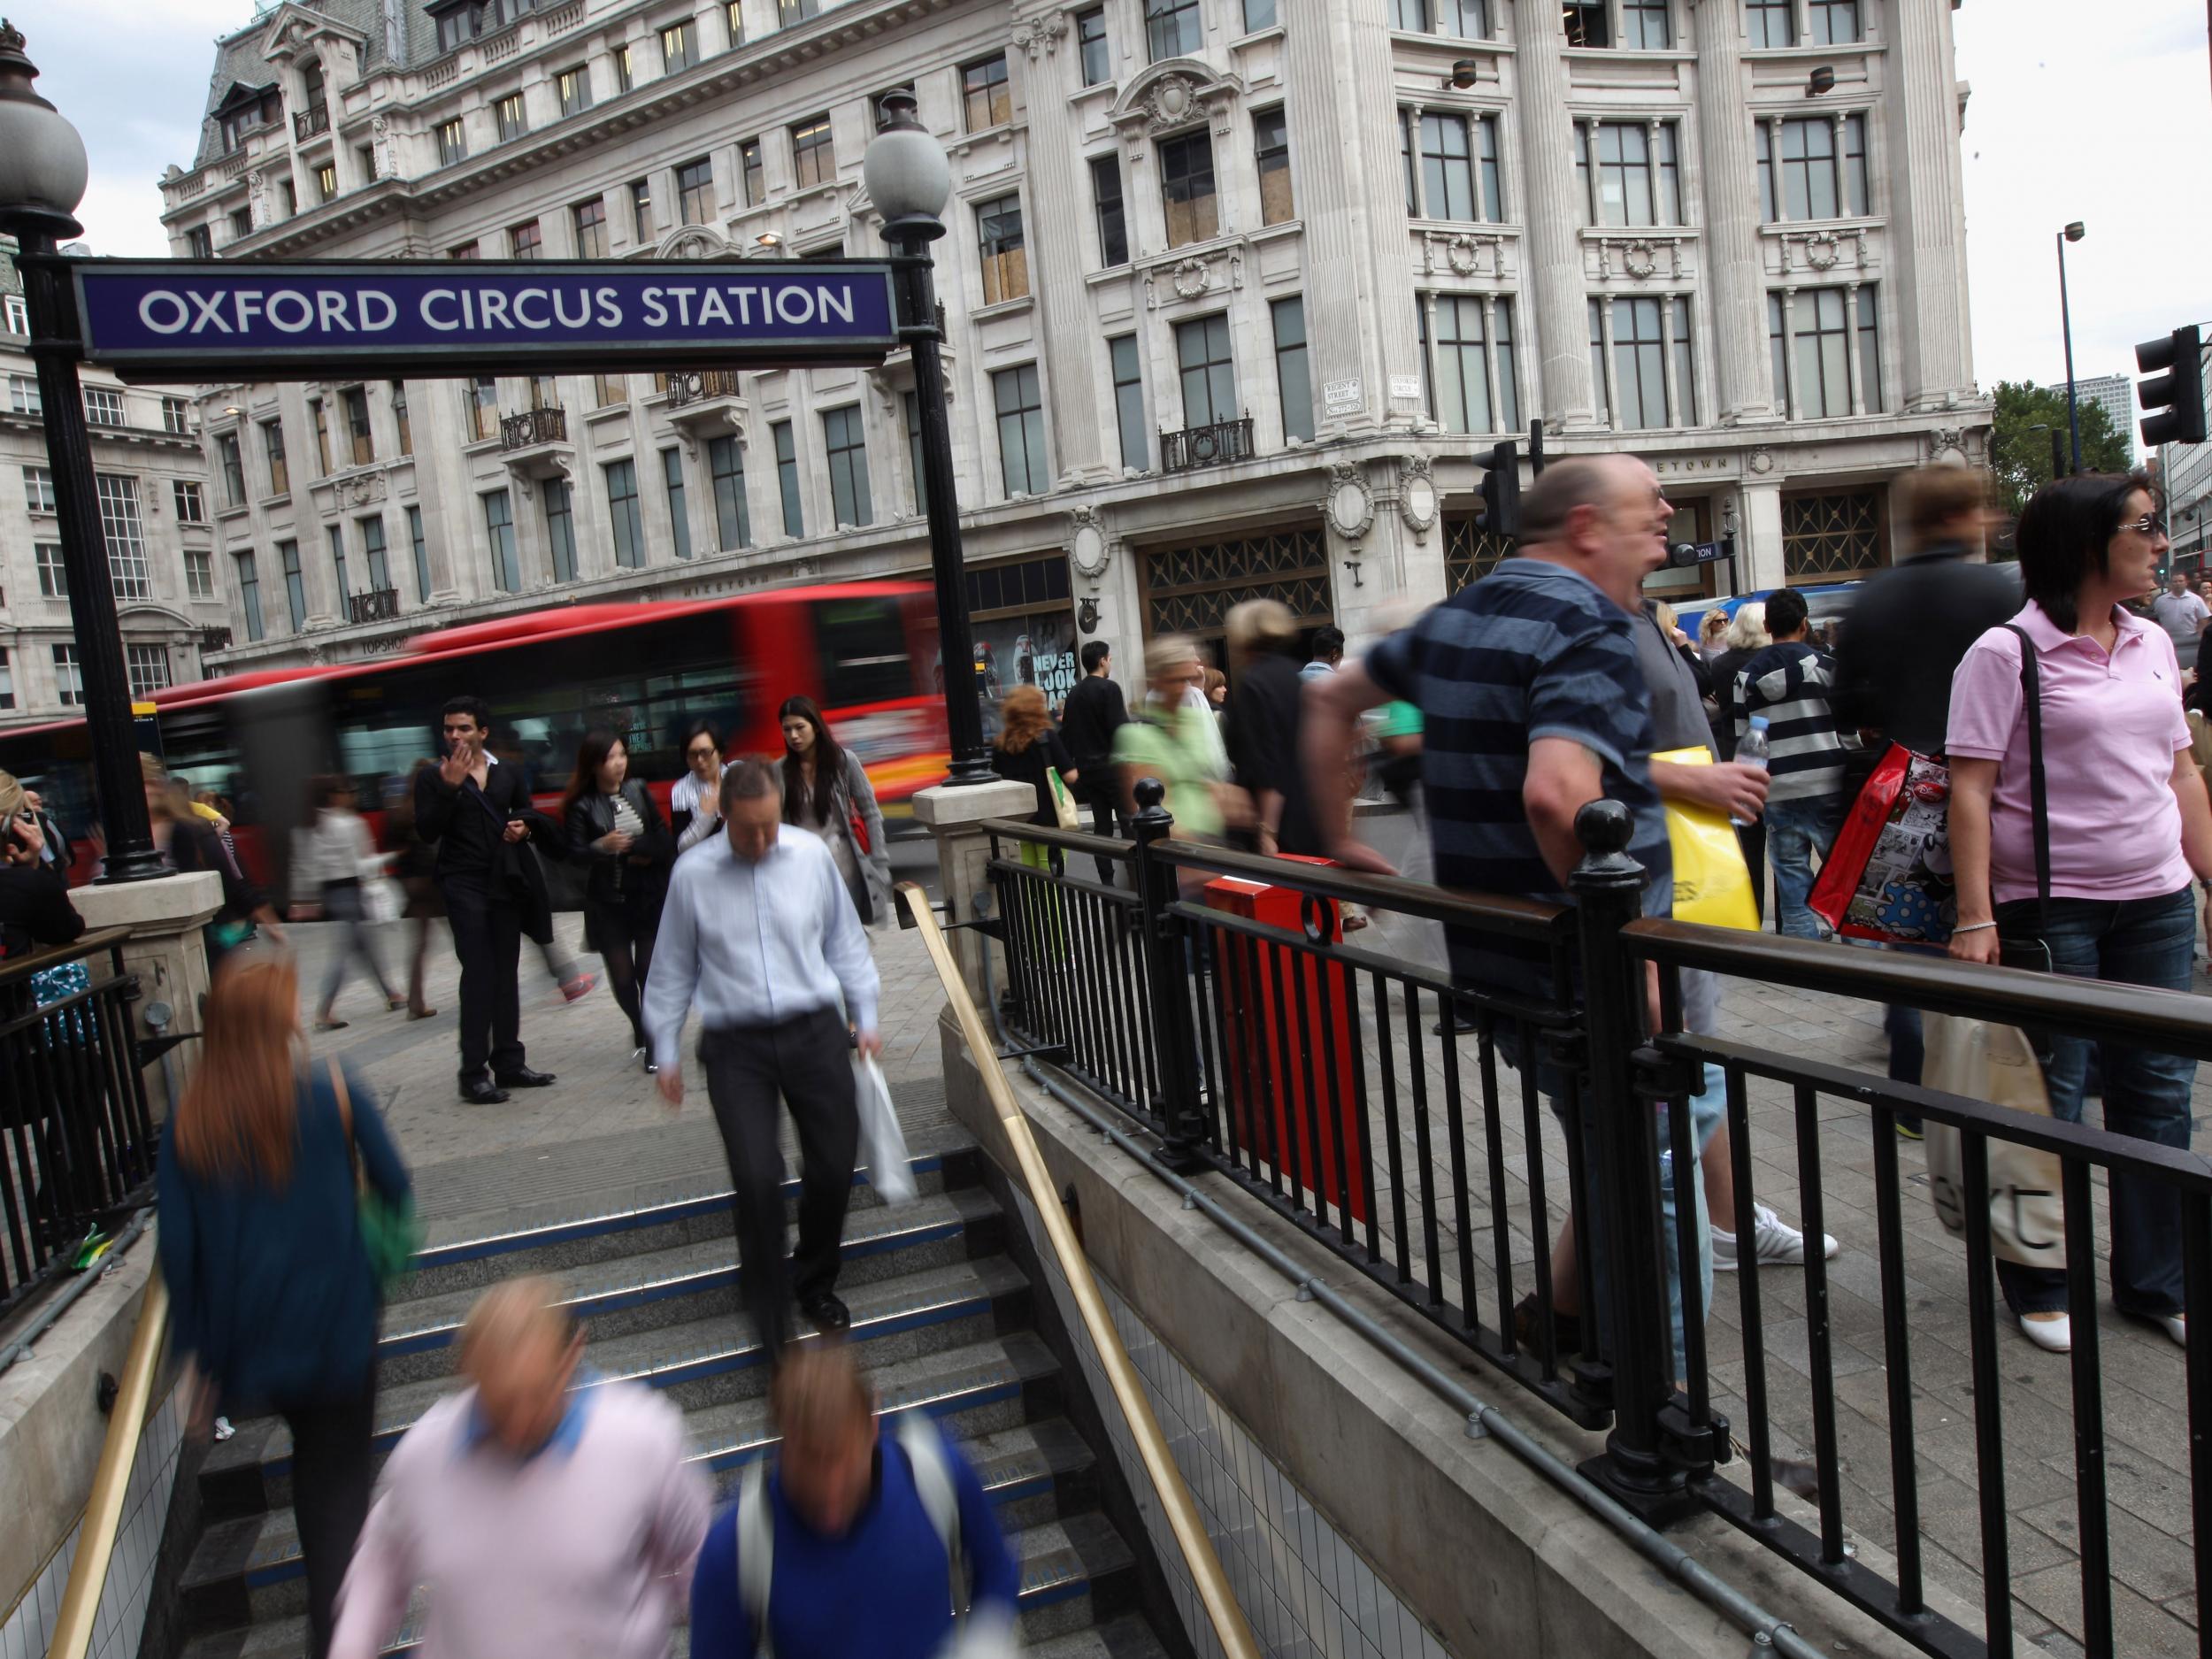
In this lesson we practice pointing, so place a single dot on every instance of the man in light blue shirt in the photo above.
(759, 935)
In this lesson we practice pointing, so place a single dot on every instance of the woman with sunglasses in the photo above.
(2128, 824)
(694, 804)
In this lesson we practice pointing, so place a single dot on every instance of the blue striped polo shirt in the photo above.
(1533, 649)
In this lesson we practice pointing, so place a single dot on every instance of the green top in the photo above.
(1398, 720)
(1171, 745)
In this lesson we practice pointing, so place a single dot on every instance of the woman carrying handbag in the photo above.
(615, 829)
(826, 790)
(2096, 884)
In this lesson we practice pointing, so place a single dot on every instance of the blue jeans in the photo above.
(1797, 831)
(2130, 942)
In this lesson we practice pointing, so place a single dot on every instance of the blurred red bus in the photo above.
(865, 652)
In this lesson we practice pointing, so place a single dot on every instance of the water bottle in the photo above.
(1751, 749)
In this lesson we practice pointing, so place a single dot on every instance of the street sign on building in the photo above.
(170, 320)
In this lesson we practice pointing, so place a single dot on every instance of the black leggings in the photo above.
(333, 1472)
(624, 931)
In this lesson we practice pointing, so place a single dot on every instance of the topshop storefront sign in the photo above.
(458, 317)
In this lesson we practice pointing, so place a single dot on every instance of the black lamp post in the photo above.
(908, 178)
(42, 172)
(2072, 233)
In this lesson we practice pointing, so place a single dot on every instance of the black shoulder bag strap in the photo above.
(2038, 798)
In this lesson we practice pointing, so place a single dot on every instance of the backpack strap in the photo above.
(755, 1553)
(925, 1450)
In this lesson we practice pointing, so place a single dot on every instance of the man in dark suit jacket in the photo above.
(1094, 713)
(479, 813)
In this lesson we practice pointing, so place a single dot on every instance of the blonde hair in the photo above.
(513, 1312)
(1665, 613)
(10, 799)
(1747, 628)
(1164, 651)
(1260, 625)
(1712, 624)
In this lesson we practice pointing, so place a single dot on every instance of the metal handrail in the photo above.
(86, 944)
(1227, 1618)
(111, 1481)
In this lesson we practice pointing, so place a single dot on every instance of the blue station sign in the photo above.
(157, 319)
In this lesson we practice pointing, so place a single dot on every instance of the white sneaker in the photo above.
(1774, 1242)
(2055, 1331)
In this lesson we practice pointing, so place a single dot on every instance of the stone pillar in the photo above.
(1552, 248)
(1058, 247)
(1761, 536)
(165, 950)
(954, 816)
(1927, 245)
(1735, 310)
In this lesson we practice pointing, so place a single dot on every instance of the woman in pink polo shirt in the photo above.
(2129, 826)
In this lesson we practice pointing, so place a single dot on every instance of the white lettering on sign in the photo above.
(369, 311)
(1342, 396)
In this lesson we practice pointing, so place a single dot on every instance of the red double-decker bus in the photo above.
(865, 652)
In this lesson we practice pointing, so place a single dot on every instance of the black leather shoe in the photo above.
(523, 1077)
(481, 1091)
(828, 1314)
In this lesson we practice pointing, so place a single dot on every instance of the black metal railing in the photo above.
(1215, 445)
(379, 604)
(533, 426)
(696, 386)
(308, 122)
(76, 1138)
(1361, 1093)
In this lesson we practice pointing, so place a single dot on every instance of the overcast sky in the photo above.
(2103, 115)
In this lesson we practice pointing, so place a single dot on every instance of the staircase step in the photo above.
(1128, 1637)
(634, 1293)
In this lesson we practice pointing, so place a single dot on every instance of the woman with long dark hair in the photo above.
(826, 790)
(272, 1292)
(614, 826)
(2127, 824)
(695, 803)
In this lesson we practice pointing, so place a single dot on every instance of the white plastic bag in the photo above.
(381, 900)
(882, 1143)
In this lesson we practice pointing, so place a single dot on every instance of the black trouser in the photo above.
(809, 1059)
(623, 929)
(334, 1469)
(487, 938)
(1102, 816)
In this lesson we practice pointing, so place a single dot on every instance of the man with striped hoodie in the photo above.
(1789, 685)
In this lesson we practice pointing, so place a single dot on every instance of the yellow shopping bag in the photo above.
(1711, 883)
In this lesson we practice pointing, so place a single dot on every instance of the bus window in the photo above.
(863, 651)
(199, 747)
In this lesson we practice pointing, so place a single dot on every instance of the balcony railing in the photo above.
(533, 426)
(309, 122)
(1217, 445)
(215, 639)
(381, 605)
(696, 386)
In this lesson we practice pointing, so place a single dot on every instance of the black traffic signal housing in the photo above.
(1502, 491)
(2174, 401)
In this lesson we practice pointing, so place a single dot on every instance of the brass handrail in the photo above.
(1230, 1627)
(111, 1481)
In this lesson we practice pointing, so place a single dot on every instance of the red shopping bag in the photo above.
(1888, 876)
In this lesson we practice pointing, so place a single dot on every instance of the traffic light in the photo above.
(1502, 491)
(2174, 402)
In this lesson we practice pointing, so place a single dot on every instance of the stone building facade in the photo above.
(153, 512)
(1239, 294)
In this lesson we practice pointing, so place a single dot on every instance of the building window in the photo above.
(373, 549)
(232, 468)
(642, 212)
(1820, 363)
(1644, 26)
(1209, 375)
(574, 87)
(1021, 430)
(725, 471)
(912, 408)
(679, 512)
(625, 70)
(751, 173)
(294, 583)
(199, 574)
(507, 117)
(694, 192)
(1832, 22)
(273, 452)
(1187, 184)
(23, 397)
(1639, 365)
(1171, 28)
(365, 154)
(399, 417)
(1870, 349)
(319, 421)
(337, 533)
(842, 437)
(355, 401)
(812, 160)
(1294, 375)
(678, 50)
(1462, 371)
(1113, 220)
(609, 389)
(589, 219)
(525, 242)
(786, 441)
(453, 142)
(68, 677)
(422, 554)
(53, 576)
(1457, 177)
(1410, 17)
(38, 489)
(1271, 149)
(1259, 14)
(1637, 179)
(483, 393)
(1824, 170)
(791, 12)
(241, 223)
(623, 514)
(7, 681)
(1005, 260)
(986, 99)
(1588, 22)
(103, 405)
(1772, 22)
(733, 22)
(191, 508)
(499, 531)
(466, 251)
(1136, 436)
(146, 668)
(326, 182)
(1090, 40)
(250, 594)
(175, 415)
(560, 528)
(199, 243)
(1597, 360)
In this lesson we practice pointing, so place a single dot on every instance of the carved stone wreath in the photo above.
(1639, 259)
(1761, 460)
(1171, 102)
(1416, 492)
(1350, 505)
(1087, 544)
